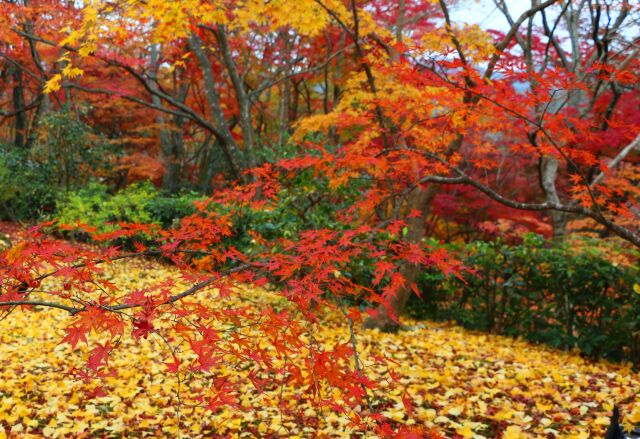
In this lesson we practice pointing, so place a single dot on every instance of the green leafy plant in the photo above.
(71, 149)
(95, 206)
(543, 291)
(27, 189)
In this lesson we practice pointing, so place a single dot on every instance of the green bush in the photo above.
(543, 292)
(138, 203)
(27, 187)
(166, 210)
(65, 155)
(71, 149)
(304, 203)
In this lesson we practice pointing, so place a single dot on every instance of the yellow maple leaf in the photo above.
(53, 84)
(87, 49)
(71, 72)
(634, 416)
(30, 422)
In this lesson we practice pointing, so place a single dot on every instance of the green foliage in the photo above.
(65, 155)
(138, 203)
(544, 292)
(166, 210)
(305, 203)
(27, 189)
(70, 148)
(276, 152)
(93, 205)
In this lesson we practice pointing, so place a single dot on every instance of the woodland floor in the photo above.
(464, 384)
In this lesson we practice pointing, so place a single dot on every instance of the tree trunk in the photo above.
(283, 113)
(225, 138)
(242, 97)
(20, 125)
(383, 320)
(548, 174)
(205, 166)
(171, 177)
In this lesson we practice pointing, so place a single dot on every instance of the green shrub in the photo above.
(65, 155)
(138, 203)
(544, 292)
(71, 149)
(27, 187)
(166, 210)
(305, 203)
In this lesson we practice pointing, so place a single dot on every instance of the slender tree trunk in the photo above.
(419, 199)
(205, 167)
(20, 124)
(225, 138)
(43, 100)
(171, 177)
(283, 117)
(548, 175)
(296, 100)
(337, 77)
(43, 106)
(177, 153)
(172, 155)
(242, 97)
(174, 176)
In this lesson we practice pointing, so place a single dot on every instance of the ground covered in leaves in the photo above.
(464, 384)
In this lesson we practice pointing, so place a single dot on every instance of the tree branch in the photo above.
(69, 309)
(635, 144)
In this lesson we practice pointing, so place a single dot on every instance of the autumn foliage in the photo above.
(388, 117)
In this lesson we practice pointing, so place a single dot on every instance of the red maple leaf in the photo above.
(174, 366)
(75, 333)
(99, 356)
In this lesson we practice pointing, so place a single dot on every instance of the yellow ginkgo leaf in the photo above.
(513, 432)
(465, 430)
(543, 407)
(503, 415)
(579, 435)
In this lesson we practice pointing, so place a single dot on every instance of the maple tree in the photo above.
(398, 112)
